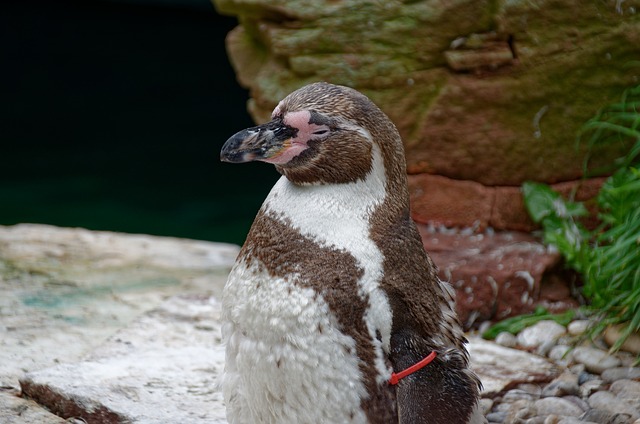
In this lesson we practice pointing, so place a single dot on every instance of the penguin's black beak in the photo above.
(263, 142)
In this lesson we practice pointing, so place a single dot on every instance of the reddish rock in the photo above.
(508, 211)
(451, 203)
(584, 189)
(555, 291)
(70, 407)
(495, 275)
(443, 201)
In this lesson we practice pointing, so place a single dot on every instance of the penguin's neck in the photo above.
(333, 214)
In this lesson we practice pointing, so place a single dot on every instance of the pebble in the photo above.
(595, 360)
(621, 373)
(574, 420)
(521, 410)
(595, 387)
(533, 389)
(545, 347)
(582, 404)
(628, 390)
(497, 417)
(591, 386)
(566, 384)
(506, 339)
(631, 344)
(578, 327)
(561, 388)
(621, 419)
(584, 376)
(598, 416)
(518, 394)
(570, 420)
(539, 333)
(560, 353)
(485, 405)
(627, 359)
(577, 368)
(609, 402)
(558, 406)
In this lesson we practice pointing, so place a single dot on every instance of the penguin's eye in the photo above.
(319, 131)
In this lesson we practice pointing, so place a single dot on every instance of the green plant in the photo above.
(616, 123)
(608, 257)
(515, 324)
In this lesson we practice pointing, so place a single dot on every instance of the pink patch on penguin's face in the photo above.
(298, 143)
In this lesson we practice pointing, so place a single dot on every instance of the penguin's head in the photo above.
(319, 134)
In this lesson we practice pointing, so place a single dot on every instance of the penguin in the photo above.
(333, 311)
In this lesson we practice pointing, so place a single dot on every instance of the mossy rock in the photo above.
(493, 92)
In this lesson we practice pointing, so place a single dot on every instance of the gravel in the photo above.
(595, 386)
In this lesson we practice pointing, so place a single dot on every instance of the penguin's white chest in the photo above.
(287, 362)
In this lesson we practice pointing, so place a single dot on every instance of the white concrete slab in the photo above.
(163, 368)
(64, 291)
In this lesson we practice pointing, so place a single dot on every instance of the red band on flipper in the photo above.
(395, 377)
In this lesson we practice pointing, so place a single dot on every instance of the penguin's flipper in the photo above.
(442, 392)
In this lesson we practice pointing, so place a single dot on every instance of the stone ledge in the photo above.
(161, 369)
(497, 274)
(67, 290)
(48, 248)
(16, 410)
(447, 202)
(164, 369)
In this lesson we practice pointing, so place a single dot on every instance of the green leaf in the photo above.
(539, 200)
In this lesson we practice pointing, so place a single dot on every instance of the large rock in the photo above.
(501, 368)
(492, 92)
(163, 368)
(443, 201)
(16, 410)
(65, 291)
(77, 254)
(497, 274)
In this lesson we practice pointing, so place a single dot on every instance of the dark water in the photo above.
(112, 118)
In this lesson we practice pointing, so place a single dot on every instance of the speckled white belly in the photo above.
(286, 360)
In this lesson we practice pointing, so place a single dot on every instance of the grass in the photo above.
(607, 257)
